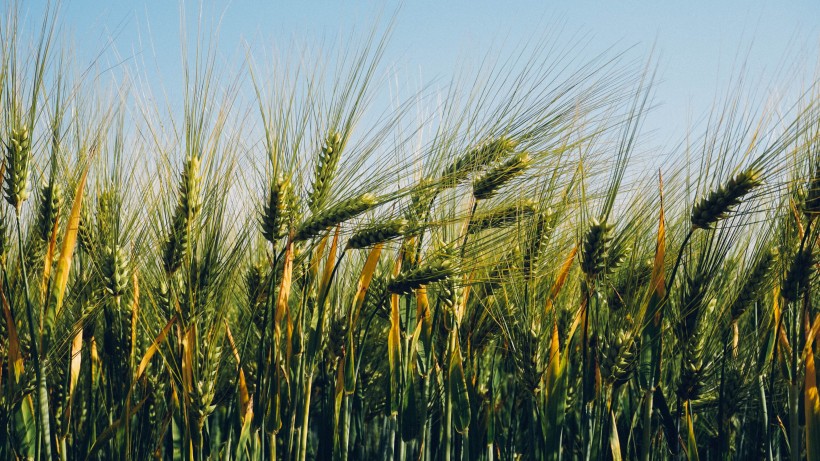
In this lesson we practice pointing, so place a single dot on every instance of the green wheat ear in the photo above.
(275, 215)
(115, 270)
(502, 217)
(51, 199)
(426, 274)
(753, 286)
(488, 183)
(18, 155)
(332, 216)
(720, 202)
(618, 357)
(479, 157)
(377, 233)
(326, 165)
(797, 278)
(85, 231)
(811, 206)
(597, 242)
(188, 205)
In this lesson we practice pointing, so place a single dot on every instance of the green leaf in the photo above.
(458, 392)
(413, 408)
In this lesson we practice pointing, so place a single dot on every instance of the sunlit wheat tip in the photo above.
(189, 197)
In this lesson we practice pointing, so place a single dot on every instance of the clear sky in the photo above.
(699, 44)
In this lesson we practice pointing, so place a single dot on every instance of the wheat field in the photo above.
(492, 269)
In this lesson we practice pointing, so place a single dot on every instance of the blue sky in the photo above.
(699, 45)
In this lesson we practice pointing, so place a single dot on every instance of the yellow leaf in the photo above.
(339, 391)
(458, 388)
(188, 343)
(15, 357)
(554, 364)
(331, 259)
(562, 278)
(245, 407)
(394, 347)
(135, 304)
(692, 446)
(812, 399)
(317, 256)
(49, 258)
(614, 440)
(152, 349)
(74, 371)
(69, 242)
(284, 287)
(76, 360)
(365, 279)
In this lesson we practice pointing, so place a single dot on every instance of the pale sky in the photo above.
(699, 46)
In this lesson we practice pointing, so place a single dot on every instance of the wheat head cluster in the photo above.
(285, 266)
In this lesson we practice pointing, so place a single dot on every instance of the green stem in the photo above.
(677, 265)
(646, 422)
(43, 429)
(764, 417)
(447, 429)
(345, 442)
(305, 416)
